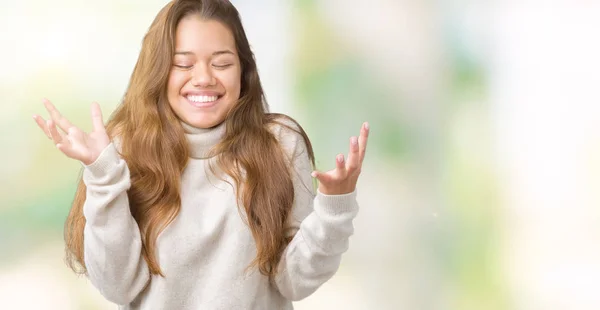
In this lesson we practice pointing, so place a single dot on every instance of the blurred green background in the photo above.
(480, 187)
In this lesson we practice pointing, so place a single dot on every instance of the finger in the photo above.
(324, 178)
(67, 148)
(97, 121)
(353, 162)
(362, 141)
(54, 134)
(340, 167)
(41, 122)
(60, 120)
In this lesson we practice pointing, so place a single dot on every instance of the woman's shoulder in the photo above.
(117, 141)
(289, 133)
(284, 127)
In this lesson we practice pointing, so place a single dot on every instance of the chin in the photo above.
(203, 123)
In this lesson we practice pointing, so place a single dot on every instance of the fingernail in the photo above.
(354, 140)
(367, 125)
(340, 158)
(313, 174)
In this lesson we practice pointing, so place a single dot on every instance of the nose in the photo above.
(202, 76)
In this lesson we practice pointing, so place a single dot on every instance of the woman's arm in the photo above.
(321, 224)
(112, 241)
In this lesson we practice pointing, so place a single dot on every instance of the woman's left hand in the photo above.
(342, 179)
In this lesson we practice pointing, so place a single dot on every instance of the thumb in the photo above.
(97, 121)
(322, 177)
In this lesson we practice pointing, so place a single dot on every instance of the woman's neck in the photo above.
(202, 140)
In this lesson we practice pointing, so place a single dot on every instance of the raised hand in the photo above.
(342, 179)
(71, 140)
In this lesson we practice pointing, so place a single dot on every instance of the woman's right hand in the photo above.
(71, 140)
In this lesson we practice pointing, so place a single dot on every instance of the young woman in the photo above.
(194, 196)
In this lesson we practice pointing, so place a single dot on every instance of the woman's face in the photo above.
(204, 82)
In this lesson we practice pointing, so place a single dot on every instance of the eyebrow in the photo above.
(217, 53)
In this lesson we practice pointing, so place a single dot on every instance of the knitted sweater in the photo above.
(205, 251)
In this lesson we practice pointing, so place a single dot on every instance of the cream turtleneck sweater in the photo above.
(205, 250)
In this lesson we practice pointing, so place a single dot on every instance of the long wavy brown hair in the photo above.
(153, 143)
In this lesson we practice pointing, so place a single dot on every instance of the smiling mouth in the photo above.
(202, 101)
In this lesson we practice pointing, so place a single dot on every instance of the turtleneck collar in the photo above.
(201, 140)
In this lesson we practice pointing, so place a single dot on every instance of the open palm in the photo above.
(343, 179)
(71, 140)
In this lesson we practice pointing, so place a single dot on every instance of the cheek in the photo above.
(175, 83)
(233, 83)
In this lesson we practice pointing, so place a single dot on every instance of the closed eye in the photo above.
(222, 66)
(183, 67)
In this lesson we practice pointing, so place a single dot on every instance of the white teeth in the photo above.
(202, 99)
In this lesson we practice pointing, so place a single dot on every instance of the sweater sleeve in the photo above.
(321, 225)
(112, 241)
